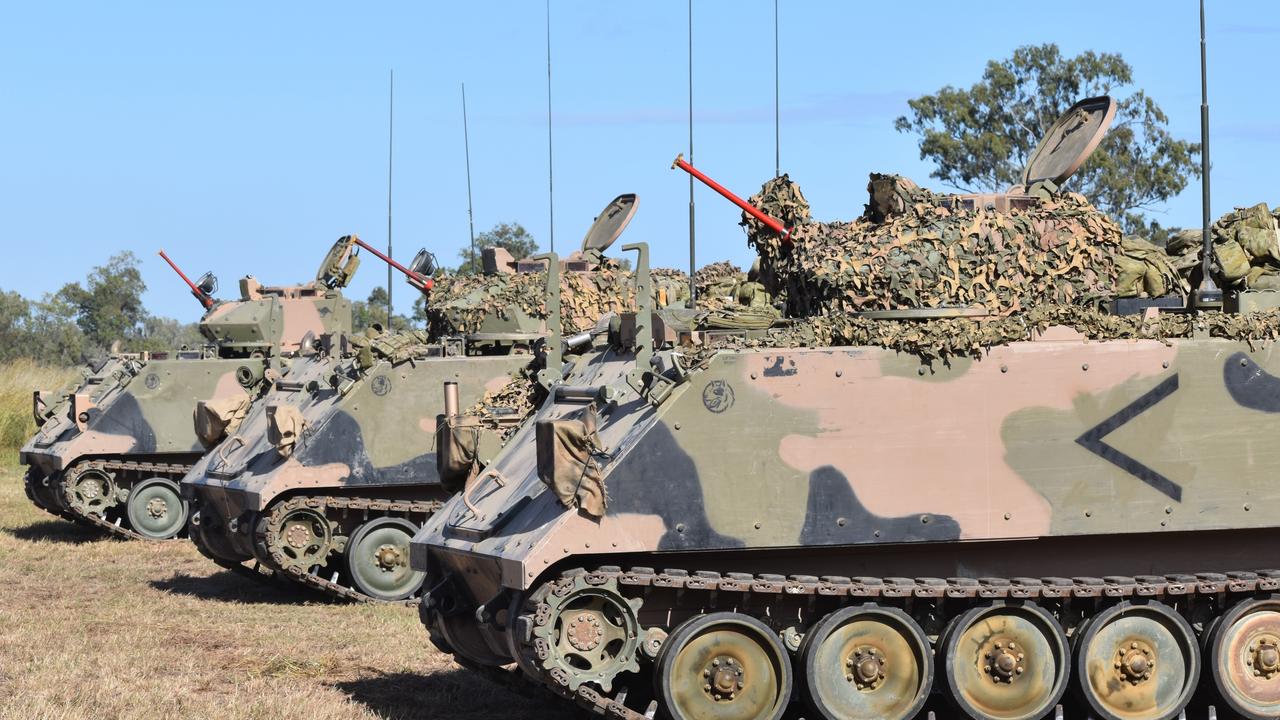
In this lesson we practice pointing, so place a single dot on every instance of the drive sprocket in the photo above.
(586, 631)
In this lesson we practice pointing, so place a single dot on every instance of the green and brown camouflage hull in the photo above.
(787, 484)
(127, 425)
(137, 408)
(112, 451)
(367, 439)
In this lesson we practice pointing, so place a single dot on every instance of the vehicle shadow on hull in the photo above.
(232, 587)
(450, 692)
(58, 531)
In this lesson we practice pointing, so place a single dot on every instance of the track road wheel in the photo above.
(726, 666)
(1244, 657)
(377, 558)
(1137, 661)
(1005, 661)
(866, 663)
(156, 509)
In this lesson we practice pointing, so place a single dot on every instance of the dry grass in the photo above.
(17, 379)
(99, 628)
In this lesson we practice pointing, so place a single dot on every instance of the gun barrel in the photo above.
(773, 223)
(205, 300)
(417, 280)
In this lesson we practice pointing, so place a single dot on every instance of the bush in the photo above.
(17, 379)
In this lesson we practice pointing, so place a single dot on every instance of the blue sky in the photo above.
(245, 137)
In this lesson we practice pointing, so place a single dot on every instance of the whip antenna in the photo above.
(693, 288)
(1208, 295)
(777, 105)
(551, 192)
(391, 111)
(466, 145)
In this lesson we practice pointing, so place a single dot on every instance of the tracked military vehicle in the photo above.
(885, 502)
(334, 470)
(111, 452)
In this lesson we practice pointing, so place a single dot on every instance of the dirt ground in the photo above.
(92, 627)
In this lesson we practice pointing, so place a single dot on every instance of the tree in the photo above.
(364, 313)
(108, 306)
(981, 138)
(15, 315)
(511, 236)
(162, 333)
(53, 336)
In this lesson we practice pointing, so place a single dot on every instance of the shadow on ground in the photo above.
(228, 586)
(59, 531)
(454, 693)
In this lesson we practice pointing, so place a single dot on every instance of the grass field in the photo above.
(92, 627)
(17, 379)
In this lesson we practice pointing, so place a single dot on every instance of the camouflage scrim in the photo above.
(915, 249)
(963, 337)
(462, 304)
(1246, 249)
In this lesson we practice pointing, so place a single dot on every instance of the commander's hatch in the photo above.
(1070, 142)
(1061, 152)
(339, 264)
(608, 227)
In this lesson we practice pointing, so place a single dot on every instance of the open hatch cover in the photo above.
(610, 223)
(1070, 141)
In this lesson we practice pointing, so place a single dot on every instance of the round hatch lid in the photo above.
(1070, 141)
(335, 270)
(610, 223)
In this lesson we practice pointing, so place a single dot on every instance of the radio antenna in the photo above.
(391, 112)
(1208, 295)
(777, 105)
(693, 286)
(551, 191)
(466, 146)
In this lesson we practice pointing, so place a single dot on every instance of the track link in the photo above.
(755, 589)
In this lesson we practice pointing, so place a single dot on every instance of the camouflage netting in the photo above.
(913, 248)
(515, 399)
(395, 346)
(718, 278)
(1246, 248)
(460, 303)
(970, 337)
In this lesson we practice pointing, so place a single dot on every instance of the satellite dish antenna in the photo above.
(609, 225)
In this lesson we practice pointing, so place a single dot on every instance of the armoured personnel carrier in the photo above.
(898, 494)
(110, 452)
(335, 469)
